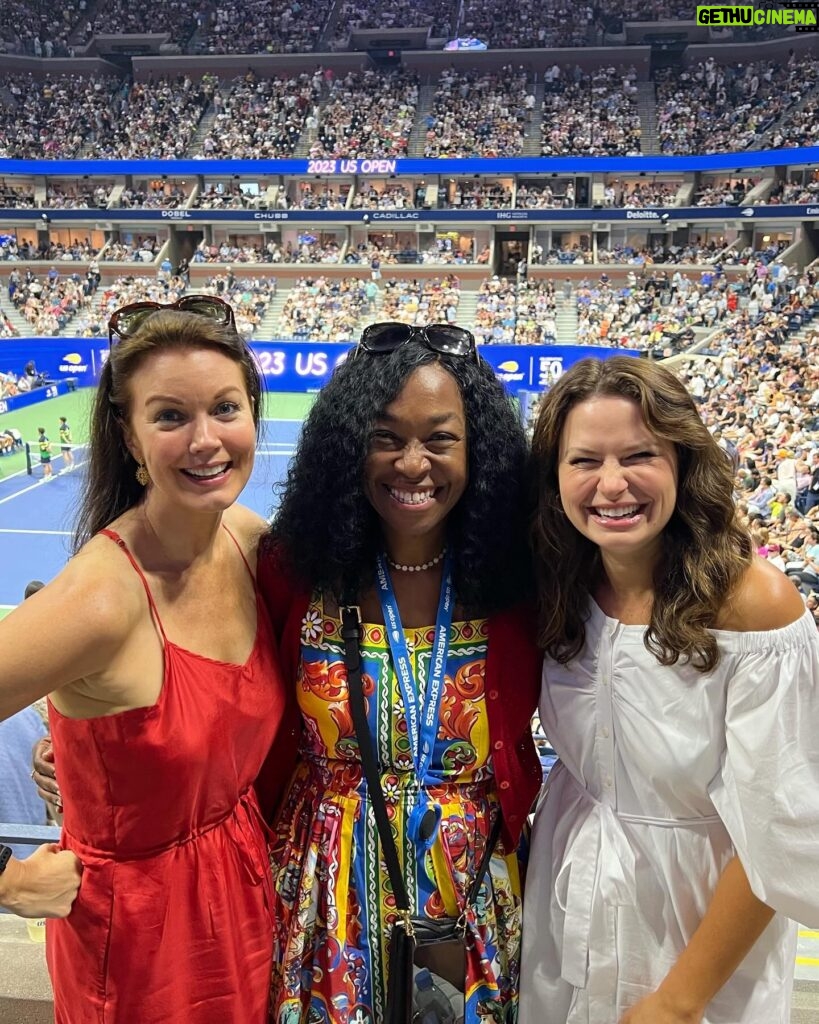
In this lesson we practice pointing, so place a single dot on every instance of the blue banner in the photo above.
(26, 398)
(298, 366)
(654, 215)
(324, 167)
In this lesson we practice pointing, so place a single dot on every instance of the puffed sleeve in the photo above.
(767, 790)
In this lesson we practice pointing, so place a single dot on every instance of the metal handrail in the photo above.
(28, 835)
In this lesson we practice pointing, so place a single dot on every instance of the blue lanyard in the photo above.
(422, 724)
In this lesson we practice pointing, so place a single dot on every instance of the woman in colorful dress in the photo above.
(679, 832)
(407, 484)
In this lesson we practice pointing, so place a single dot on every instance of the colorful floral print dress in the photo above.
(334, 906)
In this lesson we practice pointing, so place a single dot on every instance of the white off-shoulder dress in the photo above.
(664, 775)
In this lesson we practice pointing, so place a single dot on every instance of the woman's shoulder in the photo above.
(247, 528)
(764, 599)
(96, 592)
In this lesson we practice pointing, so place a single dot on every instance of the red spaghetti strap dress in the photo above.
(172, 924)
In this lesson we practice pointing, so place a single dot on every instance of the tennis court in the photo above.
(36, 517)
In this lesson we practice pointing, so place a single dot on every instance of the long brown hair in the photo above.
(705, 550)
(111, 487)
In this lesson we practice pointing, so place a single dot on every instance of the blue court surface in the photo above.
(36, 517)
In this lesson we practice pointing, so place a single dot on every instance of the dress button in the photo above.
(498, 744)
(493, 694)
(606, 731)
(504, 784)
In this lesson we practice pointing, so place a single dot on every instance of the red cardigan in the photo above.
(513, 669)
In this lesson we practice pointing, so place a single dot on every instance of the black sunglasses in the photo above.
(128, 319)
(378, 339)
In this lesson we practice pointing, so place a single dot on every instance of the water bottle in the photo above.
(433, 1006)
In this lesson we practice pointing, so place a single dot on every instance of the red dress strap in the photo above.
(241, 553)
(115, 537)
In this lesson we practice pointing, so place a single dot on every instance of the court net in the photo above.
(61, 458)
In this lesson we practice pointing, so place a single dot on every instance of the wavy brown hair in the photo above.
(705, 551)
(111, 487)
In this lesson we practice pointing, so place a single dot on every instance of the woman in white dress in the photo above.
(679, 833)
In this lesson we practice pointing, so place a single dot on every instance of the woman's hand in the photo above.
(45, 773)
(658, 1009)
(43, 885)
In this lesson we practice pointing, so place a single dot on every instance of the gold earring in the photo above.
(142, 477)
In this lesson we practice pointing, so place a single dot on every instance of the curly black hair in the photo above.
(326, 530)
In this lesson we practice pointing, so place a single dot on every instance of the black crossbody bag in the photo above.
(430, 942)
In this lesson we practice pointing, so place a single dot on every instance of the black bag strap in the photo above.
(351, 633)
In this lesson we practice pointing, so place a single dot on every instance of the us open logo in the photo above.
(802, 15)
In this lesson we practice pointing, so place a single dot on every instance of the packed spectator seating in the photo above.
(18, 197)
(652, 310)
(262, 117)
(536, 308)
(53, 250)
(157, 119)
(472, 194)
(79, 197)
(324, 309)
(120, 17)
(39, 27)
(795, 192)
(639, 196)
(264, 26)
(70, 116)
(496, 311)
(159, 195)
(479, 114)
(50, 301)
(140, 249)
(249, 297)
(56, 117)
(544, 197)
(692, 252)
(308, 249)
(530, 23)
(590, 114)
(230, 196)
(434, 300)
(713, 107)
(358, 14)
(393, 196)
(367, 114)
(801, 126)
(329, 198)
(722, 194)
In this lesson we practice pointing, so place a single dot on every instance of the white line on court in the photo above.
(31, 487)
(45, 533)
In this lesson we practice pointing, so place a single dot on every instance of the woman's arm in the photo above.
(764, 600)
(81, 620)
(715, 951)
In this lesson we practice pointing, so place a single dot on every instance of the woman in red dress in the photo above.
(165, 692)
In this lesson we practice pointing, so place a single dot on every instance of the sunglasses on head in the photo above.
(378, 339)
(127, 320)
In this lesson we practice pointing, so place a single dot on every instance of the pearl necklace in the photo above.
(417, 568)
